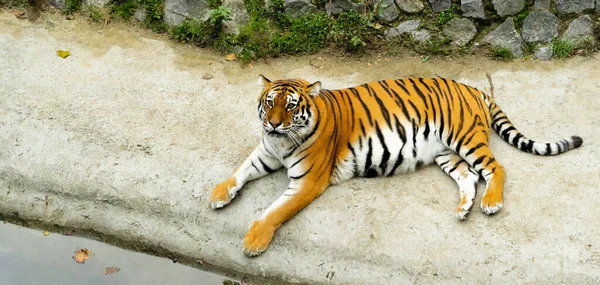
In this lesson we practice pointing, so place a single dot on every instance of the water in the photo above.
(29, 257)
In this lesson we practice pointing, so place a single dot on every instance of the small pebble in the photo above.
(207, 76)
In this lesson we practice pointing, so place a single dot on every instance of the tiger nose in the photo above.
(275, 124)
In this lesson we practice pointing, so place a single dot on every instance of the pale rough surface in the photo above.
(508, 7)
(410, 6)
(387, 11)
(460, 30)
(124, 138)
(472, 8)
(543, 51)
(440, 5)
(540, 27)
(506, 36)
(574, 6)
(580, 30)
(176, 11)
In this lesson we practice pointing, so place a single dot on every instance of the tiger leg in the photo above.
(465, 177)
(298, 195)
(257, 165)
(480, 157)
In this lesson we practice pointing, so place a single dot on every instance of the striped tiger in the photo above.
(381, 128)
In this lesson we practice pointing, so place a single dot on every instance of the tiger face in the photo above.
(286, 108)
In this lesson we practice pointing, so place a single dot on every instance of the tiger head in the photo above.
(286, 107)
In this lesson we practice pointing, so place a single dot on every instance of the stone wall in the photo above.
(524, 27)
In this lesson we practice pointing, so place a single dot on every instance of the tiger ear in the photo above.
(264, 81)
(314, 89)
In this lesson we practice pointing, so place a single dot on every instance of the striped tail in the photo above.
(511, 135)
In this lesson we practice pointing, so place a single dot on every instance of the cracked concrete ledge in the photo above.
(124, 141)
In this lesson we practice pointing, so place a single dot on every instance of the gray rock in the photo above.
(506, 36)
(472, 8)
(239, 15)
(58, 4)
(338, 6)
(543, 52)
(97, 3)
(387, 11)
(176, 11)
(580, 30)
(440, 5)
(573, 6)
(410, 6)
(508, 7)
(408, 27)
(460, 30)
(539, 27)
(298, 8)
(421, 35)
(541, 5)
(404, 27)
(140, 14)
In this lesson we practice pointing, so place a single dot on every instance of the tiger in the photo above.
(381, 128)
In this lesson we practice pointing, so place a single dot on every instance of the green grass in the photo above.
(122, 9)
(154, 15)
(72, 6)
(520, 17)
(562, 49)
(95, 14)
(501, 53)
(445, 16)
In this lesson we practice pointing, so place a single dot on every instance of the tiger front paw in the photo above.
(222, 194)
(491, 202)
(258, 238)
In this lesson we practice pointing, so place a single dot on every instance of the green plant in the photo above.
(217, 17)
(349, 29)
(122, 9)
(561, 48)
(520, 17)
(445, 16)
(192, 32)
(501, 53)
(95, 14)
(530, 48)
(72, 6)
(154, 15)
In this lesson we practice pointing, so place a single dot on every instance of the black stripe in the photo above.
(355, 92)
(479, 160)
(265, 166)
(303, 174)
(473, 149)
(369, 154)
(386, 154)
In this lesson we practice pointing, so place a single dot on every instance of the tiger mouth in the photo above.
(275, 133)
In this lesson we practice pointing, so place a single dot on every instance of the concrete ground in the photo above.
(124, 140)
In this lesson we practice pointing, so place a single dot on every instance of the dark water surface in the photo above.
(28, 257)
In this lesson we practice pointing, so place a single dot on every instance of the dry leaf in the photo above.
(111, 270)
(81, 255)
(63, 53)
(19, 14)
(231, 57)
(46, 233)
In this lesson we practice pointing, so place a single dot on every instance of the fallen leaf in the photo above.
(46, 233)
(19, 14)
(111, 270)
(63, 53)
(377, 26)
(231, 57)
(81, 255)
